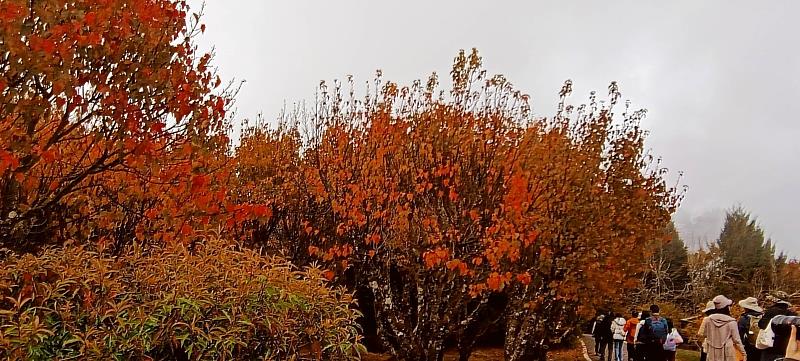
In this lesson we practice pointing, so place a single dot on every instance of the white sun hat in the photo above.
(751, 303)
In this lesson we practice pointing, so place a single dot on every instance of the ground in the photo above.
(683, 355)
(493, 354)
(484, 354)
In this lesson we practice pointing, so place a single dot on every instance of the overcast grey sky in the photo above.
(721, 79)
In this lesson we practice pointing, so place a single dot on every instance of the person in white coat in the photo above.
(618, 335)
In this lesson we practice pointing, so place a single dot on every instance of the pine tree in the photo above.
(676, 257)
(750, 258)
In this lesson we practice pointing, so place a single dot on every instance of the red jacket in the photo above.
(630, 329)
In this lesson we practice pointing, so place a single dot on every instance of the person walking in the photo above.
(674, 339)
(780, 307)
(630, 335)
(748, 326)
(701, 332)
(606, 337)
(640, 347)
(596, 333)
(653, 334)
(618, 335)
(722, 333)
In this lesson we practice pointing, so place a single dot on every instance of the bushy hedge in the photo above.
(212, 302)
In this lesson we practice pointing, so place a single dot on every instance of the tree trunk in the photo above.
(413, 320)
(526, 334)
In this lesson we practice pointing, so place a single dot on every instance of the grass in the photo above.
(687, 355)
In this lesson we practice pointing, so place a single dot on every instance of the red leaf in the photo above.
(262, 211)
(90, 17)
(199, 181)
(49, 156)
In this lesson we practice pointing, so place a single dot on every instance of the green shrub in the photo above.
(215, 302)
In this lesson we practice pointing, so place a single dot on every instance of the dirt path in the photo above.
(589, 341)
(494, 354)
(484, 354)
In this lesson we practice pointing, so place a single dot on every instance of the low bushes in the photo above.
(213, 302)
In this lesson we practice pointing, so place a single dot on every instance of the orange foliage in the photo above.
(466, 192)
(110, 126)
(114, 130)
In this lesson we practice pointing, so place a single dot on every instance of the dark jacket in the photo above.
(596, 326)
(744, 326)
(779, 347)
(605, 328)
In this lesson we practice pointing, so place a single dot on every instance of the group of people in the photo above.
(651, 337)
(647, 336)
(726, 339)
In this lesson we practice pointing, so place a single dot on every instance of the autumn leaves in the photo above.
(436, 202)
(110, 122)
(115, 132)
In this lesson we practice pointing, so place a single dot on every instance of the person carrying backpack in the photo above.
(640, 348)
(618, 335)
(780, 307)
(748, 326)
(722, 333)
(653, 334)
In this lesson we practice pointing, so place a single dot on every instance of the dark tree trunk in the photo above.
(485, 318)
(413, 318)
(528, 330)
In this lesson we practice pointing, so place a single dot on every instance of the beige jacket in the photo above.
(722, 341)
(701, 335)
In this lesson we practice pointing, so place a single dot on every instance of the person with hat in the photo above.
(722, 334)
(709, 310)
(748, 326)
(780, 307)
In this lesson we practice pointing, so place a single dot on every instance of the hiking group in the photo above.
(647, 336)
(751, 337)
